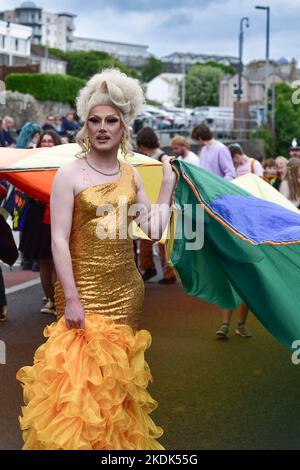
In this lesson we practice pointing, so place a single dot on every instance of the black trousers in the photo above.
(2, 290)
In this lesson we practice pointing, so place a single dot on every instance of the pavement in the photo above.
(212, 394)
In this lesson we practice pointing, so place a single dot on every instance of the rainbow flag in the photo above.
(250, 252)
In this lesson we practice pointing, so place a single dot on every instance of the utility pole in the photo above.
(267, 64)
(239, 90)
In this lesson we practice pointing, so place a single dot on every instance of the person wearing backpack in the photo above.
(244, 164)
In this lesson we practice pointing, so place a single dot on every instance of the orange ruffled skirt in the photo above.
(87, 390)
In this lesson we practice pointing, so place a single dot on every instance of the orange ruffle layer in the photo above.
(88, 390)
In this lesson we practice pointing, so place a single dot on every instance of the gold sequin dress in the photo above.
(87, 388)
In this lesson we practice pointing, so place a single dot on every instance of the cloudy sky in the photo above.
(200, 26)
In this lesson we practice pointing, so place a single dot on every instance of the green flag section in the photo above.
(250, 252)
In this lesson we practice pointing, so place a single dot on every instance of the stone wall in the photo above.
(24, 108)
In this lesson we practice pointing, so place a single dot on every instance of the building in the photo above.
(47, 63)
(164, 89)
(178, 61)
(15, 41)
(131, 55)
(52, 29)
(253, 82)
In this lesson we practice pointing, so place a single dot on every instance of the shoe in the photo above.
(243, 331)
(49, 308)
(3, 312)
(148, 274)
(170, 280)
(26, 265)
(35, 267)
(223, 331)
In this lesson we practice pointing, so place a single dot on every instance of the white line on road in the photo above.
(24, 285)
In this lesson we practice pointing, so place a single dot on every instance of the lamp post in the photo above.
(267, 9)
(239, 90)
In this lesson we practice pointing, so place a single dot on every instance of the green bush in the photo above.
(43, 86)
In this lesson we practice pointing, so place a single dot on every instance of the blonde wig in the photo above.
(114, 88)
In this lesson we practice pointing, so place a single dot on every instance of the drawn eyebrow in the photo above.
(100, 117)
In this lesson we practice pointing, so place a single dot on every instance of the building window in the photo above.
(2, 41)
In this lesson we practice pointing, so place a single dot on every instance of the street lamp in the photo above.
(267, 9)
(239, 90)
(244, 20)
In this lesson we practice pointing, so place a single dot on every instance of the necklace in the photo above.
(102, 173)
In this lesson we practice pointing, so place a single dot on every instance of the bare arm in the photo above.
(61, 210)
(154, 219)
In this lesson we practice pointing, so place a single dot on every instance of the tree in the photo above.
(202, 85)
(287, 118)
(83, 64)
(152, 68)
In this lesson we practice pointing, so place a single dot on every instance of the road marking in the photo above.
(23, 285)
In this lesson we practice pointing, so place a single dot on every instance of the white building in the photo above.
(15, 41)
(177, 61)
(52, 29)
(131, 55)
(164, 89)
(47, 62)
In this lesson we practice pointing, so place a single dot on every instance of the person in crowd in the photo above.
(47, 139)
(147, 143)
(58, 125)
(49, 124)
(290, 185)
(2, 138)
(214, 155)
(8, 126)
(181, 150)
(294, 150)
(281, 166)
(30, 232)
(270, 171)
(28, 136)
(69, 124)
(244, 164)
(3, 301)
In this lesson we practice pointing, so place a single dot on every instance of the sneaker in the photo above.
(243, 331)
(170, 280)
(3, 312)
(49, 308)
(223, 331)
(148, 274)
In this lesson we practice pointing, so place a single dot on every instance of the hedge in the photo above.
(43, 86)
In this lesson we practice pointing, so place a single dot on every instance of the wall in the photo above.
(24, 108)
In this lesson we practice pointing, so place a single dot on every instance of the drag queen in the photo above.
(87, 388)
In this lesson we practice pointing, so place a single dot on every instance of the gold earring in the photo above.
(87, 144)
(123, 145)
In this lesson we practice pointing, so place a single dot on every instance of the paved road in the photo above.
(237, 394)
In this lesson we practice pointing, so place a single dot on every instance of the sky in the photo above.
(199, 26)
